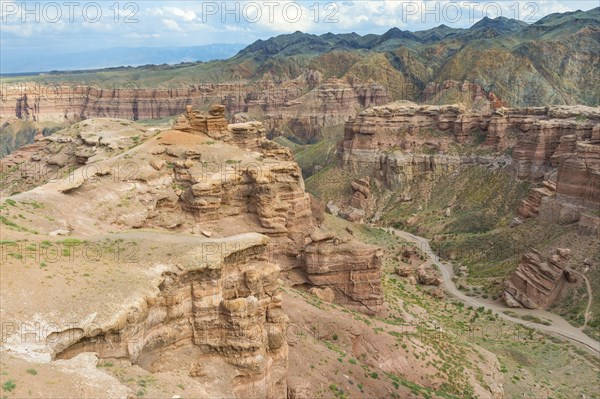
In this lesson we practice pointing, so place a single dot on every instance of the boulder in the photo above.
(320, 235)
(430, 277)
(326, 294)
(404, 271)
(437, 293)
(510, 300)
(537, 282)
(332, 209)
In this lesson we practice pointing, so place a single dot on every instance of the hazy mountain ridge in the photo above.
(17, 62)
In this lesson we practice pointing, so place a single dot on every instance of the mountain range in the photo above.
(507, 57)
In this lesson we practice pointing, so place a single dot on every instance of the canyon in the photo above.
(241, 231)
(186, 181)
(200, 233)
(402, 215)
(408, 149)
(302, 105)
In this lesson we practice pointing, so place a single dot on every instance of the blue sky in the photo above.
(48, 27)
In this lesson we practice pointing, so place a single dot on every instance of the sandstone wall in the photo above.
(205, 175)
(399, 141)
(351, 269)
(274, 192)
(227, 312)
(300, 106)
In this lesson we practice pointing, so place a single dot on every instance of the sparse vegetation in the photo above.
(9, 386)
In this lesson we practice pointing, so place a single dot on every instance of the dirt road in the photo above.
(559, 325)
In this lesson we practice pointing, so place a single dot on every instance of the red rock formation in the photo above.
(274, 192)
(579, 177)
(304, 104)
(351, 269)
(329, 104)
(537, 283)
(534, 133)
(543, 141)
(403, 125)
(362, 193)
(227, 312)
(467, 92)
(530, 206)
(212, 124)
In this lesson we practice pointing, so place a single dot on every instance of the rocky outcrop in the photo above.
(274, 192)
(428, 277)
(577, 190)
(530, 206)
(546, 135)
(350, 268)
(465, 92)
(58, 156)
(250, 135)
(403, 126)
(402, 142)
(537, 282)
(361, 193)
(329, 104)
(212, 124)
(207, 176)
(225, 311)
(534, 134)
(578, 180)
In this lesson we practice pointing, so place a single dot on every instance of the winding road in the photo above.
(559, 325)
(588, 286)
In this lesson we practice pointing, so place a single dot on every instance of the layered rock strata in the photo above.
(537, 282)
(350, 268)
(204, 175)
(228, 311)
(303, 105)
(329, 104)
(534, 134)
(466, 92)
(275, 193)
(403, 141)
(361, 193)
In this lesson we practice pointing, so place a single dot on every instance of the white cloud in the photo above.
(182, 14)
(137, 36)
(172, 25)
(162, 21)
(186, 15)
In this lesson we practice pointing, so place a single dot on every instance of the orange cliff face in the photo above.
(558, 146)
(306, 103)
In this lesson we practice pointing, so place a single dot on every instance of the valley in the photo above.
(412, 214)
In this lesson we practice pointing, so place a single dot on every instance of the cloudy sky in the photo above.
(47, 27)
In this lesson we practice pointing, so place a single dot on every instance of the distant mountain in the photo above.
(553, 61)
(15, 61)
